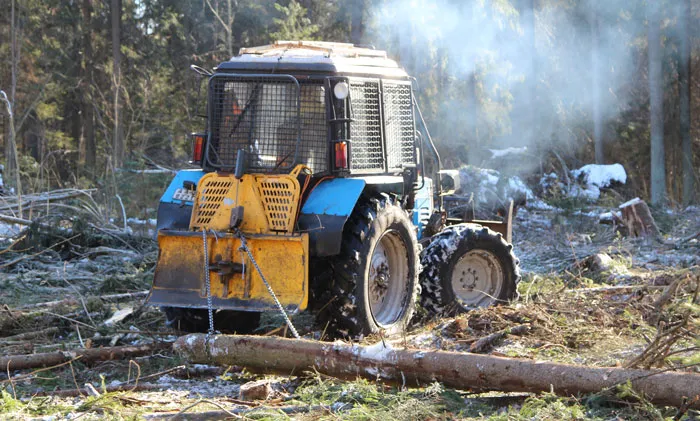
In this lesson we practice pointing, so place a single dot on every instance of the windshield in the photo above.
(276, 120)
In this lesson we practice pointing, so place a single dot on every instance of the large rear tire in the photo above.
(467, 266)
(196, 320)
(372, 285)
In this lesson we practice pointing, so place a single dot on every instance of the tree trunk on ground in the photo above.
(656, 105)
(74, 301)
(596, 88)
(684, 75)
(88, 135)
(20, 362)
(422, 367)
(118, 135)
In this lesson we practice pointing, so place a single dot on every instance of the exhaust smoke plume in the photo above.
(483, 84)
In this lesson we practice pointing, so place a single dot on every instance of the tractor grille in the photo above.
(278, 121)
(398, 124)
(367, 154)
(279, 199)
(210, 199)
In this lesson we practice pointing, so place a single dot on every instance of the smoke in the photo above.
(543, 99)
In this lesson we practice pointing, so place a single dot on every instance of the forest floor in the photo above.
(567, 300)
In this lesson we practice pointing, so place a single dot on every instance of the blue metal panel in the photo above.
(336, 197)
(180, 177)
(423, 206)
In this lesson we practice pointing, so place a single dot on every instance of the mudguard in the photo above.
(325, 212)
(174, 213)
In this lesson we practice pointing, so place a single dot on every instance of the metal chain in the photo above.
(207, 282)
(245, 248)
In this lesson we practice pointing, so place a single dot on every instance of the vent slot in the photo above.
(210, 200)
(367, 153)
(399, 129)
(279, 197)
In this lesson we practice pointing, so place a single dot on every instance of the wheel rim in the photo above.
(388, 279)
(477, 279)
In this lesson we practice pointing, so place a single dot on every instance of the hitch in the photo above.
(226, 267)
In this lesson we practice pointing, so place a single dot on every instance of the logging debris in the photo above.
(574, 315)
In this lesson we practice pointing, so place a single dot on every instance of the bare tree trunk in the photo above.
(357, 28)
(229, 32)
(227, 24)
(684, 75)
(86, 89)
(527, 20)
(11, 157)
(656, 105)
(118, 142)
(596, 88)
(422, 367)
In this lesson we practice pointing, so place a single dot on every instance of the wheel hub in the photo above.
(477, 279)
(388, 279)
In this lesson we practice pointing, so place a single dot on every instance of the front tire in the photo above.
(467, 266)
(373, 282)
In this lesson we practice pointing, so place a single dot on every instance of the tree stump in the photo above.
(638, 220)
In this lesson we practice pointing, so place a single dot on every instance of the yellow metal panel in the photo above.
(283, 260)
(270, 202)
(280, 198)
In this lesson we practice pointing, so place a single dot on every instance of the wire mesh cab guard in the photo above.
(278, 121)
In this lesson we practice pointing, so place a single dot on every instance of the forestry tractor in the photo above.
(320, 188)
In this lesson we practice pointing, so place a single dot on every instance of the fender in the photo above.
(325, 212)
(173, 213)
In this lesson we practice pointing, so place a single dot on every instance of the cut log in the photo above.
(74, 301)
(638, 219)
(487, 342)
(421, 367)
(29, 335)
(19, 362)
(14, 220)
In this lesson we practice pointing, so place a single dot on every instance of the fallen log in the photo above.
(74, 301)
(421, 367)
(19, 362)
(40, 199)
(29, 335)
(15, 220)
(487, 342)
(613, 288)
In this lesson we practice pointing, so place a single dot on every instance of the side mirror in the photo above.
(449, 181)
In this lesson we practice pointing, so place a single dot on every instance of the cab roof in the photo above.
(316, 57)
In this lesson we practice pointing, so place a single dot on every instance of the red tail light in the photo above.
(341, 155)
(197, 147)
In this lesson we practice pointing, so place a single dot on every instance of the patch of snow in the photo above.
(590, 192)
(601, 175)
(9, 230)
(516, 184)
(539, 204)
(609, 216)
(379, 352)
(630, 202)
(499, 153)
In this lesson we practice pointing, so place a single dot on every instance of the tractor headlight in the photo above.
(341, 90)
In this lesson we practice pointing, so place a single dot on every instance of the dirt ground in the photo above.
(636, 309)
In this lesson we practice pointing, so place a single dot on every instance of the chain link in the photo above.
(207, 282)
(245, 248)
